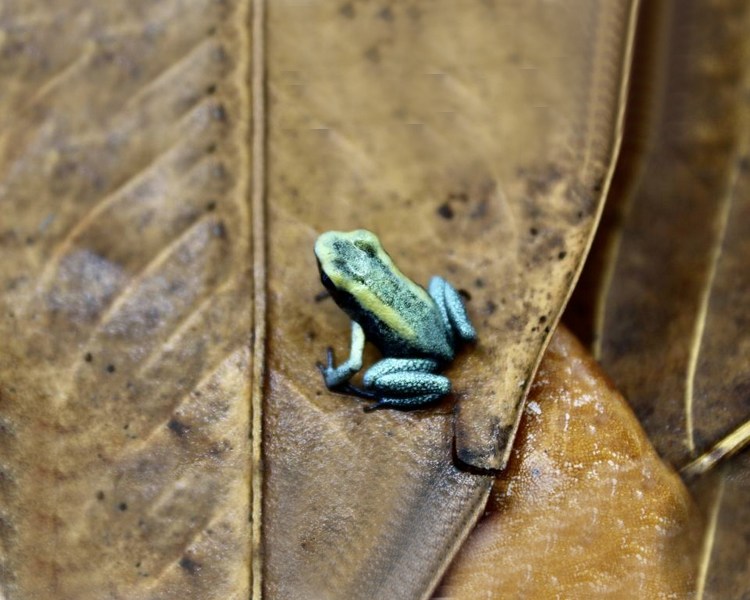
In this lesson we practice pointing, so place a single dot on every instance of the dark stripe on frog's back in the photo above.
(428, 338)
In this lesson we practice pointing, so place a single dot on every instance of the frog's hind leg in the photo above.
(389, 366)
(412, 402)
(405, 382)
(452, 309)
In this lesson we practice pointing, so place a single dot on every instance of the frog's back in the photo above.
(397, 315)
(411, 328)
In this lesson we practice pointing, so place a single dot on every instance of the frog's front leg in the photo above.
(337, 378)
(452, 310)
(405, 383)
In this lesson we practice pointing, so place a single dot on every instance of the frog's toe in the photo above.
(452, 309)
(328, 367)
(407, 402)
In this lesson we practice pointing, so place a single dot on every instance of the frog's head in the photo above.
(346, 259)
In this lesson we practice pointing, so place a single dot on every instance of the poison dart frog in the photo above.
(417, 331)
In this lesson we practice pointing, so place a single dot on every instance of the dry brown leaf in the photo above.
(674, 284)
(475, 149)
(725, 560)
(674, 324)
(124, 307)
(586, 508)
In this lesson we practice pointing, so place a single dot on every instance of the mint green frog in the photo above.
(416, 331)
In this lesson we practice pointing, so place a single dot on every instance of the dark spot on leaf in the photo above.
(490, 307)
(88, 357)
(562, 254)
(479, 282)
(110, 368)
(100, 495)
(189, 565)
(464, 294)
(386, 14)
(211, 148)
(533, 231)
(373, 54)
(347, 10)
(211, 206)
(543, 319)
(178, 427)
(744, 164)
(445, 211)
(122, 507)
(211, 89)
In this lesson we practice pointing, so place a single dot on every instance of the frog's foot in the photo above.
(452, 309)
(336, 378)
(405, 382)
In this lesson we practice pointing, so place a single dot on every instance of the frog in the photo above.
(418, 332)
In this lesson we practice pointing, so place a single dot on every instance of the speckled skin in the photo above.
(416, 331)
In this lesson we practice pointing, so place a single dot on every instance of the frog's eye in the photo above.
(367, 242)
(367, 247)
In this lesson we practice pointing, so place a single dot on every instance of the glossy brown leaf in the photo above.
(674, 286)
(124, 300)
(586, 508)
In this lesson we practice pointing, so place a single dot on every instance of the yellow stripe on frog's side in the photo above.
(391, 317)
